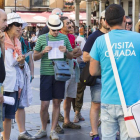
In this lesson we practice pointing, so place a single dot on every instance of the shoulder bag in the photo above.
(86, 78)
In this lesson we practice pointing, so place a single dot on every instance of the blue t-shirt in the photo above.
(126, 48)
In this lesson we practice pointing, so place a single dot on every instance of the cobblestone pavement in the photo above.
(33, 123)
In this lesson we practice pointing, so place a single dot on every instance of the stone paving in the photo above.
(33, 123)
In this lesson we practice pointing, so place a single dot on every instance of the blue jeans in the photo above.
(112, 119)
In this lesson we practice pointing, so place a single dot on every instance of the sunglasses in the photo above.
(129, 23)
(17, 24)
(56, 30)
(59, 14)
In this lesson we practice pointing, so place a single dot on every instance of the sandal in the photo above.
(61, 118)
(58, 129)
(81, 118)
(71, 125)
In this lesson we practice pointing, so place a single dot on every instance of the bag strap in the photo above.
(47, 38)
(116, 74)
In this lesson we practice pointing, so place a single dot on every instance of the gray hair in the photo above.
(56, 9)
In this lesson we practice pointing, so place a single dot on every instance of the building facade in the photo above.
(92, 8)
(41, 5)
(2, 4)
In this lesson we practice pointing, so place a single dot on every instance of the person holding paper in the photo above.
(3, 24)
(50, 89)
(12, 54)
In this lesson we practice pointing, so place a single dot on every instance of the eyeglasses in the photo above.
(17, 24)
(68, 23)
(58, 13)
(56, 30)
(129, 23)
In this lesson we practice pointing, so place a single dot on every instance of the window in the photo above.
(69, 4)
(39, 3)
(130, 8)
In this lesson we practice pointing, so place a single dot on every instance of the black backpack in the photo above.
(86, 78)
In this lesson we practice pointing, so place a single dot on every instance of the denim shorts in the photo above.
(96, 92)
(112, 118)
(10, 110)
(50, 88)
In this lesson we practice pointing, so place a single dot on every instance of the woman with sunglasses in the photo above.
(13, 53)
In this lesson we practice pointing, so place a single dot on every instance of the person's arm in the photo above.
(77, 52)
(3, 50)
(1, 95)
(21, 61)
(2, 38)
(86, 57)
(94, 67)
(69, 55)
(38, 55)
(31, 65)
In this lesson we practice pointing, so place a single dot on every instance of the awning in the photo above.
(34, 17)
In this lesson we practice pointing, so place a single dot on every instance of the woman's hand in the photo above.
(21, 59)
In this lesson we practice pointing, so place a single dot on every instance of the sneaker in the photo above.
(25, 136)
(61, 118)
(59, 130)
(78, 117)
(40, 134)
(71, 125)
(95, 137)
(53, 135)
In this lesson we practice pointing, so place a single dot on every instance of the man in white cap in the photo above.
(50, 89)
(96, 89)
(55, 11)
(3, 24)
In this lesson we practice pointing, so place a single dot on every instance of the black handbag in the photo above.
(86, 78)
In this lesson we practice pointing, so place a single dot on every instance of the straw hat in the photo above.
(14, 17)
(54, 22)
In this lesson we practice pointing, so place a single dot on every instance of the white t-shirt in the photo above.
(10, 79)
(82, 42)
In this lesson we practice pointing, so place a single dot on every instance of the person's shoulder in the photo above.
(72, 36)
(94, 34)
(42, 36)
(63, 35)
(79, 38)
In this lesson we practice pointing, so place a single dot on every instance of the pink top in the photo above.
(72, 40)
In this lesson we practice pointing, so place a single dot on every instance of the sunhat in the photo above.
(54, 22)
(14, 17)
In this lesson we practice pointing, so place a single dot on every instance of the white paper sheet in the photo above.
(55, 53)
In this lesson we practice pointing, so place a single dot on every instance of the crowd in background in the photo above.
(83, 47)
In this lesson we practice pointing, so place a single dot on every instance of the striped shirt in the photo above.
(46, 66)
